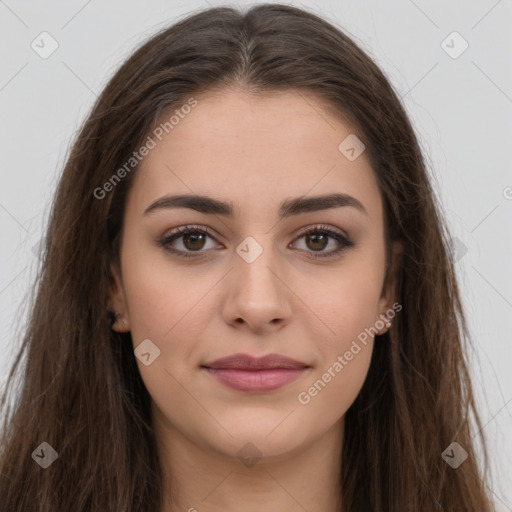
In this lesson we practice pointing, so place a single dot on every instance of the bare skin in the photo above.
(254, 152)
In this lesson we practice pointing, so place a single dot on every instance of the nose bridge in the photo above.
(257, 293)
(256, 266)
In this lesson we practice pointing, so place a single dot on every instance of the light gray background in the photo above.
(461, 108)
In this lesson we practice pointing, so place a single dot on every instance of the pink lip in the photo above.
(246, 373)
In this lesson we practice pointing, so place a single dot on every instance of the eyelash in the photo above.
(324, 230)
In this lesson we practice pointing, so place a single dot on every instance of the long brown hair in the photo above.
(80, 389)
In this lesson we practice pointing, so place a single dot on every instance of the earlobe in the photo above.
(383, 324)
(120, 321)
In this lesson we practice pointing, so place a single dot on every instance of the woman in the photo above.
(246, 300)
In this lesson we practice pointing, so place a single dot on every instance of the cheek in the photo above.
(348, 309)
(344, 304)
(165, 309)
(174, 322)
(334, 388)
(171, 306)
(162, 296)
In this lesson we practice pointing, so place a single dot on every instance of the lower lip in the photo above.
(256, 380)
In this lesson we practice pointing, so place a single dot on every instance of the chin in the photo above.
(267, 439)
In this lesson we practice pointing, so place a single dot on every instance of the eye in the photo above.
(317, 239)
(194, 239)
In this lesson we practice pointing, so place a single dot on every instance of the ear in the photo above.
(117, 302)
(387, 303)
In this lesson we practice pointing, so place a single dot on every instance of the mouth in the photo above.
(246, 373)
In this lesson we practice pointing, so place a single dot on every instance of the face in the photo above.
(302, 282)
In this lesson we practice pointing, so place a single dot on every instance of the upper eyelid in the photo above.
(302, 231)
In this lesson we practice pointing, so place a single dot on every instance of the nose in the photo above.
(257, 294)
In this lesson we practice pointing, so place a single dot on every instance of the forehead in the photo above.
(252, 149)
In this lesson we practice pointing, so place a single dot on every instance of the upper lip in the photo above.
(248, 362)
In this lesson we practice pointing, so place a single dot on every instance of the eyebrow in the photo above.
(289, 207)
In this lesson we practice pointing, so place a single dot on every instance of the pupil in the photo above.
(315, 237)
(197, 235)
